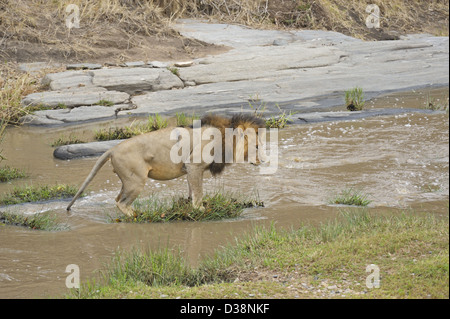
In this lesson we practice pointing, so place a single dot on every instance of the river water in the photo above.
(400, 161)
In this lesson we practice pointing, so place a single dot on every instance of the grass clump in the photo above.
(279, 121)
(151, 268)
(28, 194)
(354, 99)
(183, 120)
(105, 103)
(174, 71)
(43, 221)
(437, 104)
(72, 139)
(410, 250)
(217, 206)
(13, 88)
(351, 197)
(114, 133)
(153, 123)
(9, 173)
(259, 108)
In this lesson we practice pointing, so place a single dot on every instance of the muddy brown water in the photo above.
(401, 161)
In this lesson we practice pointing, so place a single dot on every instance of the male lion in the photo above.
(149, 155)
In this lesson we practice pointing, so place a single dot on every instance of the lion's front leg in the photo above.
(195, 183)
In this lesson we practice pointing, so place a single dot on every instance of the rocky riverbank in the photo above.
(302, 71)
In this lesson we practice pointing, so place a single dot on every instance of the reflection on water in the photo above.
(400, 161)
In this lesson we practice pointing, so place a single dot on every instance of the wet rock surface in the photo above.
(84, 150)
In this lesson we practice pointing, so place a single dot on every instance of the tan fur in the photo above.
(148, 156)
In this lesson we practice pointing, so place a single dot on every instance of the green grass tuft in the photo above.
(153, 123)
(217, 206)
(72, 139)
(27, 194)
(351, 197)
(105, 103)
(43, 221)
(354, 99)
(9, 173)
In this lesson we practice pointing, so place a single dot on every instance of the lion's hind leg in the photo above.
(131, 188)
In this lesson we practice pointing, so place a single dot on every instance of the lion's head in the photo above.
(243, 129)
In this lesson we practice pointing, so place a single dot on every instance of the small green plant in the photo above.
(354, 99)
(105, 103)
(217, 206)
(156, 122)
(351, 197)
(42, 221)
(279, 121)
(26, 194)
(61, 106)
(437, 104)
(114, 133)
(72, 139)
(174, 70)
(153, 123)
(257, 105)
(184, 120)
(259, 108)
(181, 119)
(9, 173)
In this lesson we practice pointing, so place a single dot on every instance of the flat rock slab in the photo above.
(36, 67)
(72, 151)
(74, 97)
(66, 80)
(74, 115)
(260, 62)
(135, 80)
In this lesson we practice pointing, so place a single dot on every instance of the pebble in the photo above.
(184, 64)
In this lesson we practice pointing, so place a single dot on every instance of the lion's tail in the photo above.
(100, 162)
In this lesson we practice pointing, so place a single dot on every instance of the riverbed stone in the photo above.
(72, 151)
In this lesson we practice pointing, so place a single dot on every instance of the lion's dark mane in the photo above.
(221, 123)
